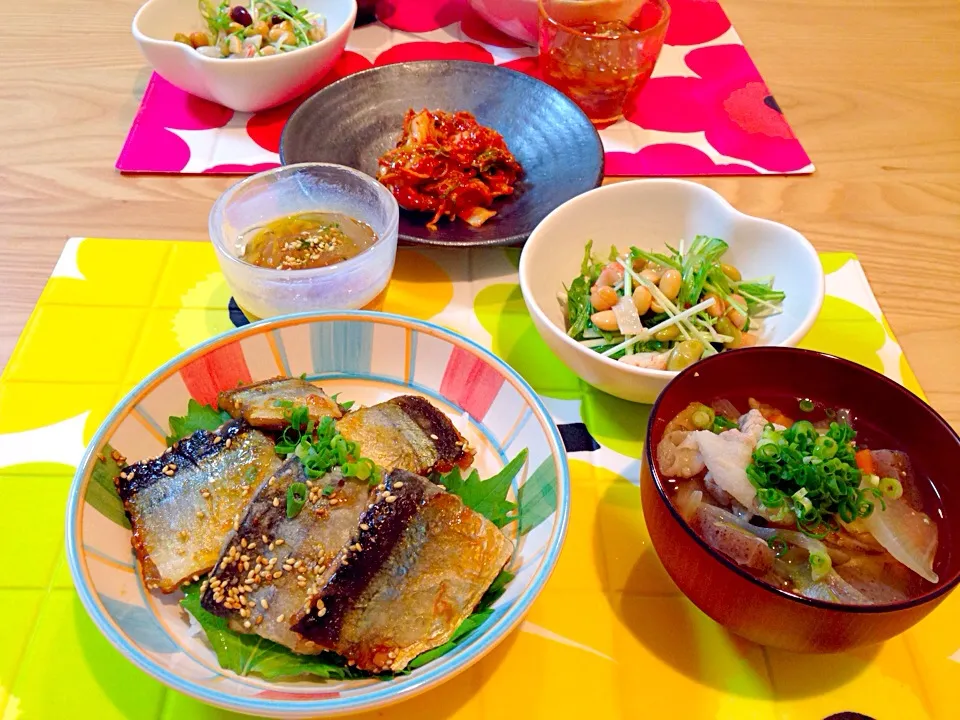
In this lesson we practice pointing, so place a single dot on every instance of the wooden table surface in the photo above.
(872, 88)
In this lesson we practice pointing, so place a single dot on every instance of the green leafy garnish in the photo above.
(198, 417)
(487, 497)
(216, 14)
(496, 589)
(578, 294)
(251, 654)
(538, 496)
(761, 298)
(578, 307)
(657, 258)
(590, 267)
(296, 498)
(343, 405)
(480, 615)
(101, 490)
(815, 477)
(700, 261)
(466, 627)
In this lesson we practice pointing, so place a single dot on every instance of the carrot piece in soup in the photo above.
(865, 461)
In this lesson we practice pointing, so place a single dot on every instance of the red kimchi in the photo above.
(450, 165)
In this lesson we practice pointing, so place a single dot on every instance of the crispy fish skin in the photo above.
(256, 569)
(407, 432)
(257, 403)
(183, 503)
(409, 579)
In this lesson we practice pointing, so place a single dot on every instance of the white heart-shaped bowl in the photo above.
(246, 85)
(369, 357)
(650, 214)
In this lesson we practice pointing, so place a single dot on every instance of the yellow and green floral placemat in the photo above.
(610, 636)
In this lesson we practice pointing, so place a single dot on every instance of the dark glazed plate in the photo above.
(355, 120)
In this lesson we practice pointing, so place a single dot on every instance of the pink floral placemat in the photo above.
(706, 110)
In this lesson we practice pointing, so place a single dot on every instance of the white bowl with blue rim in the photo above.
(368, 357)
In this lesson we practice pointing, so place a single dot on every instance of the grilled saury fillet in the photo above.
(417, 568)
(407, 432)
(182, 504)
(258, 403)
(270, 565)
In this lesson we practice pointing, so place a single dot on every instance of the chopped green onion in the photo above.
(770, 497)
(778, 545)
(846, 511)
(820, 565)
(769, 451)
(803, 428)
(891, 488)
(300, 426)
(811, 476)
(362, 469)
(806, 405)
(702, 417)
(825, 447)
(296, 498)
(800, 498)
(865, 505)
(720, 423)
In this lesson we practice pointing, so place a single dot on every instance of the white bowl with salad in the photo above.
(632, 282)
(247, 55)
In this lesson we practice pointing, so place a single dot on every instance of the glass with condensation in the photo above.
(357, 283)
(600, 53)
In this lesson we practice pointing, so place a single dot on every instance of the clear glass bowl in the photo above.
(359, 282)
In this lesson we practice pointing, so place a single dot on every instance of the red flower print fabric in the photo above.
(706, 111)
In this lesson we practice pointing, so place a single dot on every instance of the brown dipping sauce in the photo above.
(306, 240)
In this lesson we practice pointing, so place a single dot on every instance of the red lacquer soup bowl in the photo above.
(881, 410)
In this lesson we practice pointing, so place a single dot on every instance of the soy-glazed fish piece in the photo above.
(182, 504)
(267, 404)
(416, 569)
(270, 565)
(410, 433)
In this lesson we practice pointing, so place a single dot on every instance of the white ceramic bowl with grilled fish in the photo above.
(365, 357)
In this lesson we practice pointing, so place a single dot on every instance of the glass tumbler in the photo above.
(600, 53)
